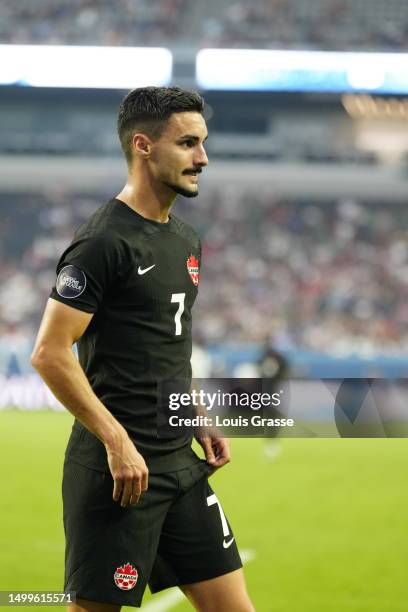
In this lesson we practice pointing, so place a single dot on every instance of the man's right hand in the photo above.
(129, 472)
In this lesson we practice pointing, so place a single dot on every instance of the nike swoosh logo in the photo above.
(228, 544)
(141, 271)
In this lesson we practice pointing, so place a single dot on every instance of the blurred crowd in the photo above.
(86, 22)
(369, 25)
(328, 276)
(286, 24)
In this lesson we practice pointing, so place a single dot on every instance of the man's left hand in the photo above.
(216, 449)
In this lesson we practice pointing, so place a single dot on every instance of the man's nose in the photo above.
(201, 158)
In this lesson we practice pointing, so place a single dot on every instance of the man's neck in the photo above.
(146, 202)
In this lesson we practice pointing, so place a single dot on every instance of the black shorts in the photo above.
(177, 534)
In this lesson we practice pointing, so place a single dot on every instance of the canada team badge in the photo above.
(125, 577)
(193, 267)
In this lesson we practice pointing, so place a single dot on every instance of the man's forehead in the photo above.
(191, 123)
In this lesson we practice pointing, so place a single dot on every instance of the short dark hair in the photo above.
(147, 109)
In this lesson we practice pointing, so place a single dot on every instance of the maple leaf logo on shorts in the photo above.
(125, 577)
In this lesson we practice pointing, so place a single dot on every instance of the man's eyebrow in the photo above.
(192, 137)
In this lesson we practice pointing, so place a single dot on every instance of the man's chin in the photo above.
(187, 193)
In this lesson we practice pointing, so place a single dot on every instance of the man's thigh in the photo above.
(83, 605)
(197, 542)
(225, 593)
(110, 550)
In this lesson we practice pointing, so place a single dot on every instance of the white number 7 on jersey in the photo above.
(178, 298)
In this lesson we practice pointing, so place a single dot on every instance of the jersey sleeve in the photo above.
(86, 271)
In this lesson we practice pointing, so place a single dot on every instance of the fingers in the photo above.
(129, 489)
(117, 488)
(217, 452)
(129, 472)
(222, 453)
(136, 492)
(127, 493)
(145, 480)
(206, 443)
(222, 461)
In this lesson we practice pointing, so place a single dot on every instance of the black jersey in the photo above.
(140, 278)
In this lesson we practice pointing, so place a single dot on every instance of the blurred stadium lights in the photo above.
(318, 71)
(366, 106)
(85, 67)
(380, 125)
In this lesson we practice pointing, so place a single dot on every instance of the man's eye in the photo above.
(188, 143)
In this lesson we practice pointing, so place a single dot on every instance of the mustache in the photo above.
(193, 171)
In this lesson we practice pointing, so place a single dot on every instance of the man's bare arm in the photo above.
(55, 361)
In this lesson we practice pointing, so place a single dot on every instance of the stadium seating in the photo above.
(316, 24)
(124, 22)
(327, 276)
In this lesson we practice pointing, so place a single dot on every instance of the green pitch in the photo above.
(326, 520)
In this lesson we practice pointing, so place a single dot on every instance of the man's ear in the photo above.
(142, 145)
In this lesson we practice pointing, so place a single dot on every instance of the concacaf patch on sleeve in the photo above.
(71, 282)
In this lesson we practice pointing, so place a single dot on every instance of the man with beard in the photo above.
(138, 508)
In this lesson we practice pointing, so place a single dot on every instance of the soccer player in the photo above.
(138, 508)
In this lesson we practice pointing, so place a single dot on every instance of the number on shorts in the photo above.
(213, 500)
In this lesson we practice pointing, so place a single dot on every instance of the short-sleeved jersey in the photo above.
(140, 279)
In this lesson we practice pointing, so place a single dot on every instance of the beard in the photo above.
(182, 191)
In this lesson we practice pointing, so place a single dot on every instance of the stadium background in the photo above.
(304, 226)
